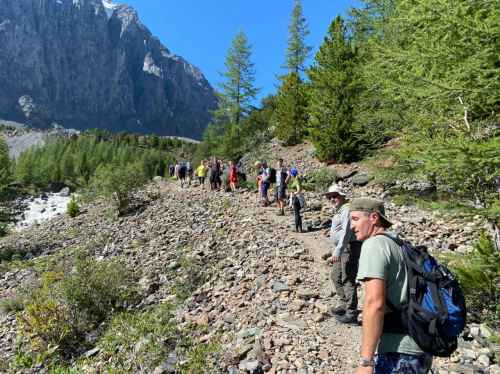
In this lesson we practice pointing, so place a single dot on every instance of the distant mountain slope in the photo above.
(87, 63)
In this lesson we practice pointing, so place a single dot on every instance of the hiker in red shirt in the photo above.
(233, 176)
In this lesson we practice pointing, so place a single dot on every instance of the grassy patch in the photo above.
(11, 304)
(191, 276)
(319, 180)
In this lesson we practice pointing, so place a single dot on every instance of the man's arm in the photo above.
(373, 319)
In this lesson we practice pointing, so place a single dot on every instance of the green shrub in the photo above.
(10, 253)
(47, 320)
(141, 341)
(67, 306)
(250, 184)
(73, 208)
(319, 180)
(118, 182)
(98, 288)
(479, 275)
(138, 341)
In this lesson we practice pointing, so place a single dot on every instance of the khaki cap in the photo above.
(335, 189)
(367, 204)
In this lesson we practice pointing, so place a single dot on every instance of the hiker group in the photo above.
(413, 308)
(219, 176)
(287, 188)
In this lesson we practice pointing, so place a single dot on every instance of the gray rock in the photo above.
(361, 179)
(92, 352)
(65, 192)
(495, 369)
(419, 188)
(252, 331)
(306, 293)
(469, 354)
(484, 360)
(485, 331)
(345, 173)
(250, 366)
(277, 286)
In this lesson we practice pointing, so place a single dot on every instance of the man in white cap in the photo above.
(344, 258)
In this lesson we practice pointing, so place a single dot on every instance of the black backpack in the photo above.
(435, 313)
(272, 175)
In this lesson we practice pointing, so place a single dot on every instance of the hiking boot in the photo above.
(337, 311)
(348, 319)
(281, 213)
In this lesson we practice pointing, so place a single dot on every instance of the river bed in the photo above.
(40, 209)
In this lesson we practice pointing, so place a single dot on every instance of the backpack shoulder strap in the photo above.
(395, 240)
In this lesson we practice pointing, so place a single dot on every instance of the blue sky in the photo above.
(201, 31)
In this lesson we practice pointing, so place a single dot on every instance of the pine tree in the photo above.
(334, 96)
(5, 179)
(297, 51)
(5, 163)
(291, 113)
(238, 89)
(223, 136)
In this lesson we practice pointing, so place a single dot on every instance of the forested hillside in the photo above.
(425, 74)
(96, 163)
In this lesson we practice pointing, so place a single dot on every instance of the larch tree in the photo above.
(291, 113)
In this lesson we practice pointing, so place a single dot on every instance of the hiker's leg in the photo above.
(336, 278)
(298, 217)
(300, 220)
(265, 188)
(349, 262)
(296, 212)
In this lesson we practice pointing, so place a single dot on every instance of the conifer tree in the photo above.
(5, 178)
(237, 93)
(334, 96)
(297, 51)
(5, 164)
(291, 113)
(238, 88)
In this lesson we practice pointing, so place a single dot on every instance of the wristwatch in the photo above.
(365, 362)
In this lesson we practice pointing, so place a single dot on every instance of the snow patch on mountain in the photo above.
(109, 7)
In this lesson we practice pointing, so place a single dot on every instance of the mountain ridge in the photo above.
(92, 64)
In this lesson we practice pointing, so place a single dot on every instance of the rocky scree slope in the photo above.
(264, 290)
(93, 64)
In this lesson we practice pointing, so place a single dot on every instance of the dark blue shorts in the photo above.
(400, 363)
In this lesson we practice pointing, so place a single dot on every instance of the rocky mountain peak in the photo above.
(93, 63)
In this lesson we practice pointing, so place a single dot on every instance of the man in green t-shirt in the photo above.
(383, 272)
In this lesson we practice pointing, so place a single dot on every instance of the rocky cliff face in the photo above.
(91, 63)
